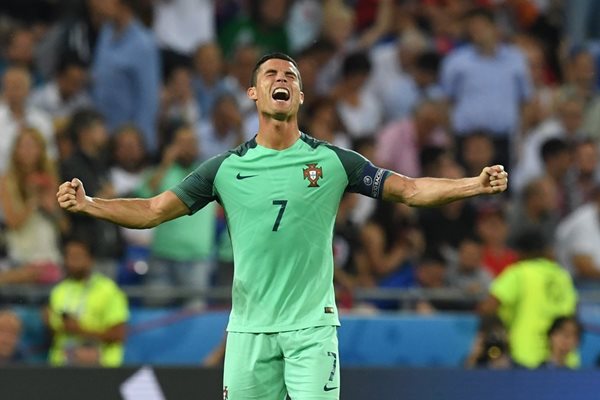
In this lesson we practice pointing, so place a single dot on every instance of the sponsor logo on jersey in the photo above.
(240, 176)
(329, 310)
(313, 173)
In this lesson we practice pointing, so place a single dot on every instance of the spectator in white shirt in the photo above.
(66, 93)
(15, 113)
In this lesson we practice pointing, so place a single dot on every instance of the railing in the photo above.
(32, 294)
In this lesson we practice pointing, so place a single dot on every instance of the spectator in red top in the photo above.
(492, 228)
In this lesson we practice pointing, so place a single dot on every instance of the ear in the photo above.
(301, 97)
(251, 93)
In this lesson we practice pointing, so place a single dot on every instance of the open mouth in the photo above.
(281, 94)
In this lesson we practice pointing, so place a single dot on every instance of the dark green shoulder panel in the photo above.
(311, 141)
(196, 190)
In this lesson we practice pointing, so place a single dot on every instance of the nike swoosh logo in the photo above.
(328, 389)
(240, 176)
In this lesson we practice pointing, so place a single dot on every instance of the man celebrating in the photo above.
(280, 192)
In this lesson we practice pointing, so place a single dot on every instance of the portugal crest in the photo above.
(313, 173)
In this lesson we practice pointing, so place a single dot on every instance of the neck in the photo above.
(18, 110)
(122, 20)
(275, 134)
(89, 150)
(488, 48)
(558, 359)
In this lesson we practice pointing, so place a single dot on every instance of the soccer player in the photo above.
(280, 191)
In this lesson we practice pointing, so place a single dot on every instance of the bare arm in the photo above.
(130, 213)
(428, 192)
(585, 267)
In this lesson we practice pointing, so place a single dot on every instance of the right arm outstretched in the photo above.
(130, 213)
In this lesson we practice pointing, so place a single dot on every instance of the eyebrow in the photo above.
(288, 72)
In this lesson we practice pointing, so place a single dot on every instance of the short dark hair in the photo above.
(429, 62)
(480, 12)
(553, 147)
(82, 239)
(356, 63)
(271, 56)
(81, 120)
(68, 61)
(559, 322)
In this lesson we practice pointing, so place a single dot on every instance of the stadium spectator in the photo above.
(585, 172)
(528, 296)
(224, 130)
(66, 93)
(564, 336)
(567, 125)
(304, 24)
(178, 102)
(487, 83)
(477, 149)
(11, 328)
(466, 271)
(208, 80)
(322, 121)
(359, 110)
(126, 72)
(16, 114)
(239, 75)
(180, 27)
(181, 251)
(536, 207)
(577, 239)
(87, 313)
(400, 142)
(263, 27)
(557, 159)
(445, 227)
(88, 132)
(129, 160)
(391, 244)
(490, 348)
(74, 36)
(19, 52)
(581, 81)
(33, 220)
(492, 228)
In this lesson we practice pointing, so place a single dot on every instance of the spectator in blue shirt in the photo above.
(487, 82)
(126, 72)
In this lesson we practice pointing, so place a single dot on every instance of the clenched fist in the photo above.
(494, 179)
(71, 196)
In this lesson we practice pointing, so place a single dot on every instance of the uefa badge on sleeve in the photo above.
(313, 173)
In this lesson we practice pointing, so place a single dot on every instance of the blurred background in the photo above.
(131, 95)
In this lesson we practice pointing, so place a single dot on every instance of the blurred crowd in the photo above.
(131, 95)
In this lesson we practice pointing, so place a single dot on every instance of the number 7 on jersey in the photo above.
(281, 204)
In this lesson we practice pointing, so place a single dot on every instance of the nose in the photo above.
(281, 77)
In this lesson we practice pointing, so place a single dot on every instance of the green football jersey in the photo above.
(280, 207)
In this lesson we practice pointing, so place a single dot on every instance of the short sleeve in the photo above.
(117, 311)
(505, 287)
(363, 177)
(197, 189)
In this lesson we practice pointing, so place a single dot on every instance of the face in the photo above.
(277, 92)
(209, 62)
(180, 83)
(565, 339)
(584, 68)
(587, 158)
(431, 274)
(28, 152)
(273, 12)
(478, 151)
(72, 81)
(104, 8)
(469, 254)
(129, 150)
(492, 228)
(571, 115)
(96, 133)
(21, 48)
(187, 146)
(78, 260)
(15, 85)
(481, 31)
(10, 332)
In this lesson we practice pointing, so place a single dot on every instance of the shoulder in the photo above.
(460, 54)
(312, 142)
